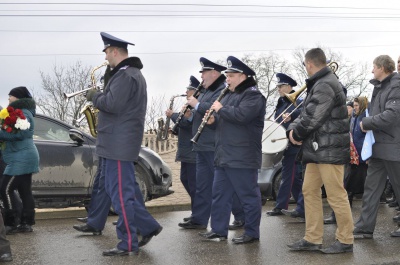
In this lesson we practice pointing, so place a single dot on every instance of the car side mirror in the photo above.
(76, 136)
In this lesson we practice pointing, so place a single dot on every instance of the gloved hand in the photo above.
(90, 94)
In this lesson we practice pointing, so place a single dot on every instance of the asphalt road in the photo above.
(54, 241)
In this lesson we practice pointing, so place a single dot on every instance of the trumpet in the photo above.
(292, 97)
(71, 95)
(163, 128)
(196, 94)
(208, 115)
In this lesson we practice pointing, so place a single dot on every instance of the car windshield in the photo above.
(47, 130)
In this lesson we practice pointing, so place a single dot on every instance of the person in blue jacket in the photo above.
(292, 181)
(22, 159)
(239, 123)
(185, 153)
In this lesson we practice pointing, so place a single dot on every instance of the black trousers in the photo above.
(22, 184)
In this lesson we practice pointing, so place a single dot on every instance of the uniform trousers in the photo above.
(188, 179)
(291, 184)
(204, 182)
(331, 176)
(243, 182)
(4, 243)
(378, 171)
(237, 209)
(100, 206)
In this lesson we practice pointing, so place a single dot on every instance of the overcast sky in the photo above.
(170, 38)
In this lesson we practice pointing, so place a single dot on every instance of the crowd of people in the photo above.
(220, 151)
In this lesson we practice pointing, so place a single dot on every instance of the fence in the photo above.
(151, 140)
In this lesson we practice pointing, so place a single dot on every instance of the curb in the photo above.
(74, 212)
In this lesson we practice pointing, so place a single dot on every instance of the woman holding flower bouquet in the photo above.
(22, 159)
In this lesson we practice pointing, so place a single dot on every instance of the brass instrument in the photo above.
(208, 115)
(164, 128)
(292, 97)
(89, 111)
(196, 94)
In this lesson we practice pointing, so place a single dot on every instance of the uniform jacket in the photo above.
(185, 151)
(281, 106)
(239, 127)
(384, 118)
(122, 112)
(206, 141)
(323, 124)
(20, 153)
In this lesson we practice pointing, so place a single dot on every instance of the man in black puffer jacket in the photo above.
(322, 130)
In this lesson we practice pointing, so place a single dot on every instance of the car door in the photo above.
(66, 167)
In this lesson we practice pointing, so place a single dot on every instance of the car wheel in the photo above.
(142, 180)
(275, 185)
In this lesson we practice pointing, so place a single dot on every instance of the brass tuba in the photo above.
(89, 111)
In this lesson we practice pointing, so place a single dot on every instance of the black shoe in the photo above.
(393, 199)
(118, 252)
(244, 239)
(359, 233)
(187, 218)
(304, 245)
(275, 212)
(115, 222)
(395, 233)
(211, 235)
(87, 229)
(393, 204)
(294, 214)
(82, 219)
(11, 230)
(397, 218)
(6, 257)
(24, 228)
(192, 225)
(330, 220)
(237, 224)
(337, 248)
(146, 239)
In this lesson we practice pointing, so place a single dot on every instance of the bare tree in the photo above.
(62, 80)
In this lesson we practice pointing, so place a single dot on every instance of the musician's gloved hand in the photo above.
(90, 94)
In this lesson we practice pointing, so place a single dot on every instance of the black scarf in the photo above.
(25, 103)
(249, 82)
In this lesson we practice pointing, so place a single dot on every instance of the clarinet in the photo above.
(207, 116)
(196, 94)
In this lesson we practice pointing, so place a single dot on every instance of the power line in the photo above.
(203, 5)
(188, 52)
(202, 31)
(206, 16)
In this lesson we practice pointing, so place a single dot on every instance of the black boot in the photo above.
(27, 220)
(11, 221)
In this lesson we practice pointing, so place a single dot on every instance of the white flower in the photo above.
(22, 124)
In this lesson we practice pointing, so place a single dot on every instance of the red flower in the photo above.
(9, 129)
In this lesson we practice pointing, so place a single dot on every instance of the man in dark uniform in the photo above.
(292, 181)
(122, 109)
(213, 83)
(239, 122)
(185, 152)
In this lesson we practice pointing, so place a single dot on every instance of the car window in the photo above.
(48, 130)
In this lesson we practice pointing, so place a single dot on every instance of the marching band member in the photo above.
(239, 123)
(213, 83)
(292, 181)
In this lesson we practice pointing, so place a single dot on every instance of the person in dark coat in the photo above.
(358, 172)
(322, 130)
(292, 180)
(383, 120)
(239, 122)
(122, 109)
(185, 153)
(22, 159)
(213, 84)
